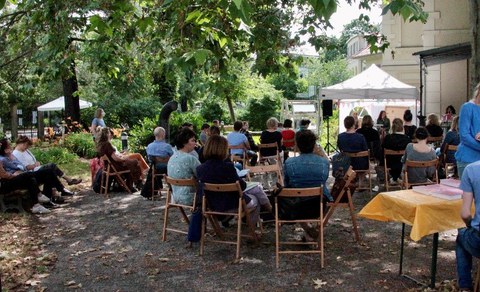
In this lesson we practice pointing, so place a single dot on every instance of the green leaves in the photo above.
(323, 8)
(2, 3)
(411, 10)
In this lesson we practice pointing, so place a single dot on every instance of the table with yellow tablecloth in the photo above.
(426, 214)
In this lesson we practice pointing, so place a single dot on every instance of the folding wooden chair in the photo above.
(348, 179)
(287, 193)
(436, 141)
(388, 152)
(109, 170)
(420, 164)
(364, 154)
(264, 174)
(243, 158)
(239, 213)
(191, 182)
(267, 159)
(156, 175)
(449, 167)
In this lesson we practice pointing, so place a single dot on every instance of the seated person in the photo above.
(371, 136)
(433, 126)
(468, 239)
(419, 151)
(158, 153)
(304, 124)
(183, 165)
(28, 160)
(452, 138)
(236, 138)
(204, 134)
(396, 141)
(121, 162)
(212, 131)
(408, 127)
(218, 170)
(287, 134)
(271, 135)
(305, 171)
(23, 180)
(352, 142)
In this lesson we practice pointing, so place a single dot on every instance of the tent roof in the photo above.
(445, 54)
(59, 104)
(371, 83)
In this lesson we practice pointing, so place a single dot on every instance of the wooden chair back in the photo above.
(388, 152)
(363, 154)
(243, 159)
(436, 141)
(239, 213)
(449, 167)
(420, 164)
(264, 172)
(189, 182)
(290, 193)
(109, 170)
(265, 159)
(345, 191)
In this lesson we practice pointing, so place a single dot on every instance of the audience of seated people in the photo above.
(371, 136)
(353, 142)
(419, 151)
(396, 141)
(408, 127)
(433, 126)
(236, 138)
(271, 135)
(158, 154)
(218, 170)
(121, 162)
(183, 165)
(287, 134)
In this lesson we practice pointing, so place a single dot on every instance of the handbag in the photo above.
(195, 226)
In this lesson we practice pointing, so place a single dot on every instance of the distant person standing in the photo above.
(355, 117)
(468, 150)
(97, 121)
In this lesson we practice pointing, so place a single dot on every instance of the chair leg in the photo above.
(477, 279)
(184, 215)
(165, 219)
(354, 218)
(277, 236)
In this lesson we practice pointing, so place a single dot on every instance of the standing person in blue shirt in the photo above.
(468, 239)
(97, 122)
(468, 150)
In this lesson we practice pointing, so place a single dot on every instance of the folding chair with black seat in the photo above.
(272, 159)
(292, 193)
(267, 175)
(169, 203)
(436, 141)
(388, 152)
(420, 164)
(109, 170)
(157, 177)
(240, 158)
(449, 167)
(362, 154)
(341, 201)
(231, 189)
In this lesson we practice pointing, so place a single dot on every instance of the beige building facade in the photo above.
(444, 84)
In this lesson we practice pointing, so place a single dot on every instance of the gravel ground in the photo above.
(115, 244)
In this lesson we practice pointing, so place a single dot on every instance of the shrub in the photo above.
(177, 119)
(141, 134)
(81, 144)
(259, 111)
(58, 155)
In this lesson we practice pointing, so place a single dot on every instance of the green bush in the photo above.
(81, 144)
(141, 134)
(260, 110)
(57, 155)
(177, 119)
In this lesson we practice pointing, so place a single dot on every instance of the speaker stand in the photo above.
(329, 147)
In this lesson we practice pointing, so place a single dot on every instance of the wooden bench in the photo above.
(12, 200)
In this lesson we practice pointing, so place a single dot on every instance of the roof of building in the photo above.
(445, 54)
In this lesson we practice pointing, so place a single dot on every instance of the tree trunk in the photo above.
(475, 40)
(14, 116)
(72, 101)
(230, 108)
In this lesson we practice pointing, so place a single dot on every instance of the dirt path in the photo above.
(98, 244)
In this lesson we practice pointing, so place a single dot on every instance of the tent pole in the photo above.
(420, 116)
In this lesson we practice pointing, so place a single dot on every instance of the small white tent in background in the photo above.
(373, 90)
(59, 104)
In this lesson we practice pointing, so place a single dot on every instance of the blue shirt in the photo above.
(468, 126)
(307, 171)
(159, 149)
(235, 139)
(10, 165)
(471, 183)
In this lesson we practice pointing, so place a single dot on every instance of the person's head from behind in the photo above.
(104, 135)
(382, 115)
(367, 122)
(187, 125)
(5, 148)
(237, 126)
(216, 148)
(397, 125)
(454, 126)
(305, 141)
(348, 122)
(287, 123)
(272, 123)
(433, 120)
(23, 142)
(304, 123)
(214, 130)
(99, 113)
(216, 123)
(450, 110)
(205, 127)
(407, 116)
(159, 133)
(421, 133)
(186, 138)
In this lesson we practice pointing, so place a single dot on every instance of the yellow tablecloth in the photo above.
(426, 214)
